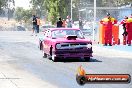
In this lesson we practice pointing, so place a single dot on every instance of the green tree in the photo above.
(3, 3)
(55, 8)
(61, 8)
(27, 14)
(22, 14)
(19, 13)
(38, 7)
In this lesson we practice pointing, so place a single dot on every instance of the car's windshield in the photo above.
(64, 33)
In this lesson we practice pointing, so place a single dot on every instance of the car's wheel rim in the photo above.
(53, 57)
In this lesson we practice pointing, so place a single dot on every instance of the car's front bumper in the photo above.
(73, 53)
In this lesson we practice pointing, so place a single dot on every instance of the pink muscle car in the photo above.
(65, 43)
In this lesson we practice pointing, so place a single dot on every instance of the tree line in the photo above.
(53, 9)
(61, 8)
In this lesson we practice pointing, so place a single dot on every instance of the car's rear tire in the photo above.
(44, 55)
(87, 58)
(41, 46)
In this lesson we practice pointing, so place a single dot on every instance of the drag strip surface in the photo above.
(20, 51)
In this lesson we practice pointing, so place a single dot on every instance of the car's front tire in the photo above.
(41, 46)
(44, 55)
(54, 58)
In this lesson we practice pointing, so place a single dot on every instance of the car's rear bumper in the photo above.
(74, 53)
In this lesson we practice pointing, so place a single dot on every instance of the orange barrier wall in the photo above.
(101, 34)
(115, 33)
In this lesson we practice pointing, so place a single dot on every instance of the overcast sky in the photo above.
(22, 3)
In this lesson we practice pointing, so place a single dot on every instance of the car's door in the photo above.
(47, 42)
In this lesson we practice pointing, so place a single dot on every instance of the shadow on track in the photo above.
(69, 60)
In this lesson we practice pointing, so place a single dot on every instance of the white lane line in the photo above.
(10, 80)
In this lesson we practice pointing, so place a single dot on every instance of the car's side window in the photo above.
(45, 33)
(48, 33)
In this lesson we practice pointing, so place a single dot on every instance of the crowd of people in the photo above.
(108, 23)
(36, 24)
(64, 23)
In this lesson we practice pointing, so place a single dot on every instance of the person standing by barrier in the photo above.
(124, 22)
(68, 22)
(108, 23)
(64, 23)
(34, 21)
(38, 24)
(129, 31)
(80, 24)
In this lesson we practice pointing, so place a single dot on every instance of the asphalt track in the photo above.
(22, 62)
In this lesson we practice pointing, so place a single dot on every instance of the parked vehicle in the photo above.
(20, 28)
(46, 26)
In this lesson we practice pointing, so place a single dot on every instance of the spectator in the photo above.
(59, 23)
(34, 21)
(125, 33)
(124, 22)
(68, 22)
(80, 24)
(108, 23)
(64, 23)
(38, 24)
(129, 30)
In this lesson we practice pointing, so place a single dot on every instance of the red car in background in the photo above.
(65, 43)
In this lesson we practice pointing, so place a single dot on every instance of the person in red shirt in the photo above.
(64, 23)
(129, 30)
(108, 23)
